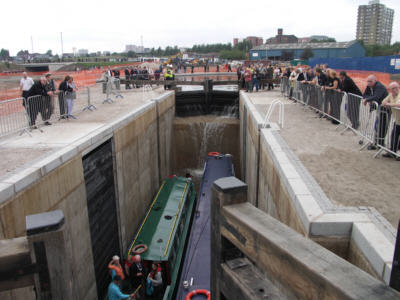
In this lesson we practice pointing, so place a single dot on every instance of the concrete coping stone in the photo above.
(258, 119)
(44, 222)
(24, 178)
(6, 191)
(387, 273)
(230, 184)
(162, 97)
(49, 163)
(336, 224)
(374, 245)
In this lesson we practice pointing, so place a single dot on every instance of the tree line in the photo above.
(382, 50)
(228, 51)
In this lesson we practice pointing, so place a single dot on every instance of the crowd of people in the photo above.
(46, 88)
(258, 76)
(133, 280)
(375, 92)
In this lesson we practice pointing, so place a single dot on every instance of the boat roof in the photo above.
(159, 226)
(197, 261)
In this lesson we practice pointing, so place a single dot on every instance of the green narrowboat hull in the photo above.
(165, 228)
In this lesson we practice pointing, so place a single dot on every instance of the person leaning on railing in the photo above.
(320, 78)
(335, 100)
(392, 101)
(350, 87)
(38, 105)
(49, 105)
(376, 92)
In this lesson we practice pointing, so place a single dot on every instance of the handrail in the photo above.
(271, 108)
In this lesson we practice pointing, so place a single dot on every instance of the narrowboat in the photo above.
(196, 270)
(163, 233)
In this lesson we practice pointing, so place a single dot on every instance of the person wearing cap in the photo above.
(115, 268)
(114, 291)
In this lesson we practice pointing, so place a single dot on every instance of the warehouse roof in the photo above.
(295, 46)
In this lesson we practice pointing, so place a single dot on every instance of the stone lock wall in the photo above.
(279, 184)
(142, 156)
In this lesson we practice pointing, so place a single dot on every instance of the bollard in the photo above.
(50, 247)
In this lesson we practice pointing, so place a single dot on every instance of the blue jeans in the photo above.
(254, 81)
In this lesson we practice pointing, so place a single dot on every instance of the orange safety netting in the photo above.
(360, 77)
(84, 78)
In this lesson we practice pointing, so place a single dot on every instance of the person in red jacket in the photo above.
(247, 78)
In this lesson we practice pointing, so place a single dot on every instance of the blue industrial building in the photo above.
(320, 50)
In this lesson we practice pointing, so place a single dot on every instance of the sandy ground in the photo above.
(347, 176)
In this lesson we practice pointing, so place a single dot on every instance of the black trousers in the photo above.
(36, 105)
(313, 97)
(335, 100)
(62, 103)
(25, 94)
(395, 138)
(353, 110)
(381, 126)
(46, 108)
(33, 106)
(168, 86)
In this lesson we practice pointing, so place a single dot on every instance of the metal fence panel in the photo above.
(13, 116)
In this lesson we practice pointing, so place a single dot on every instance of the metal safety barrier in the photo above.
(372, 122)
(39, 105)
(285, 86)
(113, 87)
(387, 131)
(13, 116)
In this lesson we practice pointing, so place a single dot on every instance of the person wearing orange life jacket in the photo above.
(115, 268)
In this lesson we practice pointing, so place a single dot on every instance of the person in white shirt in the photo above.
(24, 86)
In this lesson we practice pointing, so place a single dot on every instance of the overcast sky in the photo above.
(110, 25)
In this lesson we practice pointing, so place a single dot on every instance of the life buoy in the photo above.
(139, 249)
(198, 292)
(213, 153)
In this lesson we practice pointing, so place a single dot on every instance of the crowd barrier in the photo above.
(372, 122)
(22, 115)
(12, 116)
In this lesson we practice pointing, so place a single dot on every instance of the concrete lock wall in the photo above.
(142, 143)
(280, 185)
